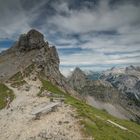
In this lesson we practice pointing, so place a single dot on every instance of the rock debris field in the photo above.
(17, 122)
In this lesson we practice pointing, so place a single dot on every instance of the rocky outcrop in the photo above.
(30, 48)
(33, 49)
(32, 40)
(78, 79)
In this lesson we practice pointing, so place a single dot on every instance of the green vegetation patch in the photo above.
(18, 83)
(95, 120)
(16, 77)
(17, 80)
(4, 93)
(50, 87)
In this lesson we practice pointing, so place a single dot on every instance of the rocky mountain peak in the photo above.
(35, 33)
(78, 69)
(32, 40)
(130, 68)
(30, 49)
(78, 72)
(113, 68)
(78, 79)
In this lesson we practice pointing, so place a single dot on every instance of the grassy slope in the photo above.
(17, 80)
(95, 121)
(4, 93)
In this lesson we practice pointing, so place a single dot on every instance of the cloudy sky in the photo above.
(91, 34)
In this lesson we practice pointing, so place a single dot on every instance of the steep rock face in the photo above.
(32, 40)
(78, 79)
(137, 86)
(30, 48)
(125, 81)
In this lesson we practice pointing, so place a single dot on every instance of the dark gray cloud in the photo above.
(106, 31)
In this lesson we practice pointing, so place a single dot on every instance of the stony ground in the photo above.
(17, 122)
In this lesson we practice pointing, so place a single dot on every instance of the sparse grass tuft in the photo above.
(4, 93)
(17, 80)
(16, 77)
(18, 83)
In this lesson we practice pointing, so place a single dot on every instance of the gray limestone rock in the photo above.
(32, 40)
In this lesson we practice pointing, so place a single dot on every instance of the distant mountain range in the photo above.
(125, 80)
(115, 89)
(93, 75)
